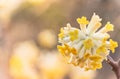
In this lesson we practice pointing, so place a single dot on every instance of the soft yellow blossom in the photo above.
(82, 20)
(22, 61)
(73, 35)
(113, 45)
(47, 38)
(101, 49)
(86, 47)
(51, 66)
(108, 27)
(61, 35)
(88, 44)
(65, 49)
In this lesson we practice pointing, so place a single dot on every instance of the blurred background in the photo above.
(28, 37)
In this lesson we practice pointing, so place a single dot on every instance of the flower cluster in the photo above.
(86, 47)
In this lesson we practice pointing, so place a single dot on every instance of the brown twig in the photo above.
(115, 65)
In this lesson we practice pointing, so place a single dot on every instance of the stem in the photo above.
(115, 65)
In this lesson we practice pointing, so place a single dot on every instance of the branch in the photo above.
(115, 65)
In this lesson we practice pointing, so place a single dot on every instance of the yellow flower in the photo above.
(101, 49)
(73, 35)
(51, 66)
(113, 45)
(86, 47)
(61, 35)
(47, 38)
(108, 27)
(64, 49)
(16, 64)
(95, 58)
(95, 65)
(88, 44)
(22, 61)
(87, 55)
(82, 20)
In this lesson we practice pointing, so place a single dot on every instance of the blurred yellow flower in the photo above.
(47, 39)
(91, 46)
(23, 60)
(78, 73)
(52, 66)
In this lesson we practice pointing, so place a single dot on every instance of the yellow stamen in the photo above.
(61, 35)
(73, 51)
(88, 44)
(113, 45)
(95, 58)
(108, 27)
(96, 65)
(87, 55)
(101, 49)
(64, 49)
(82, 20)
(104, 39)
(73, 35)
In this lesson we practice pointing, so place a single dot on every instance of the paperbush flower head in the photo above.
(86, 47)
